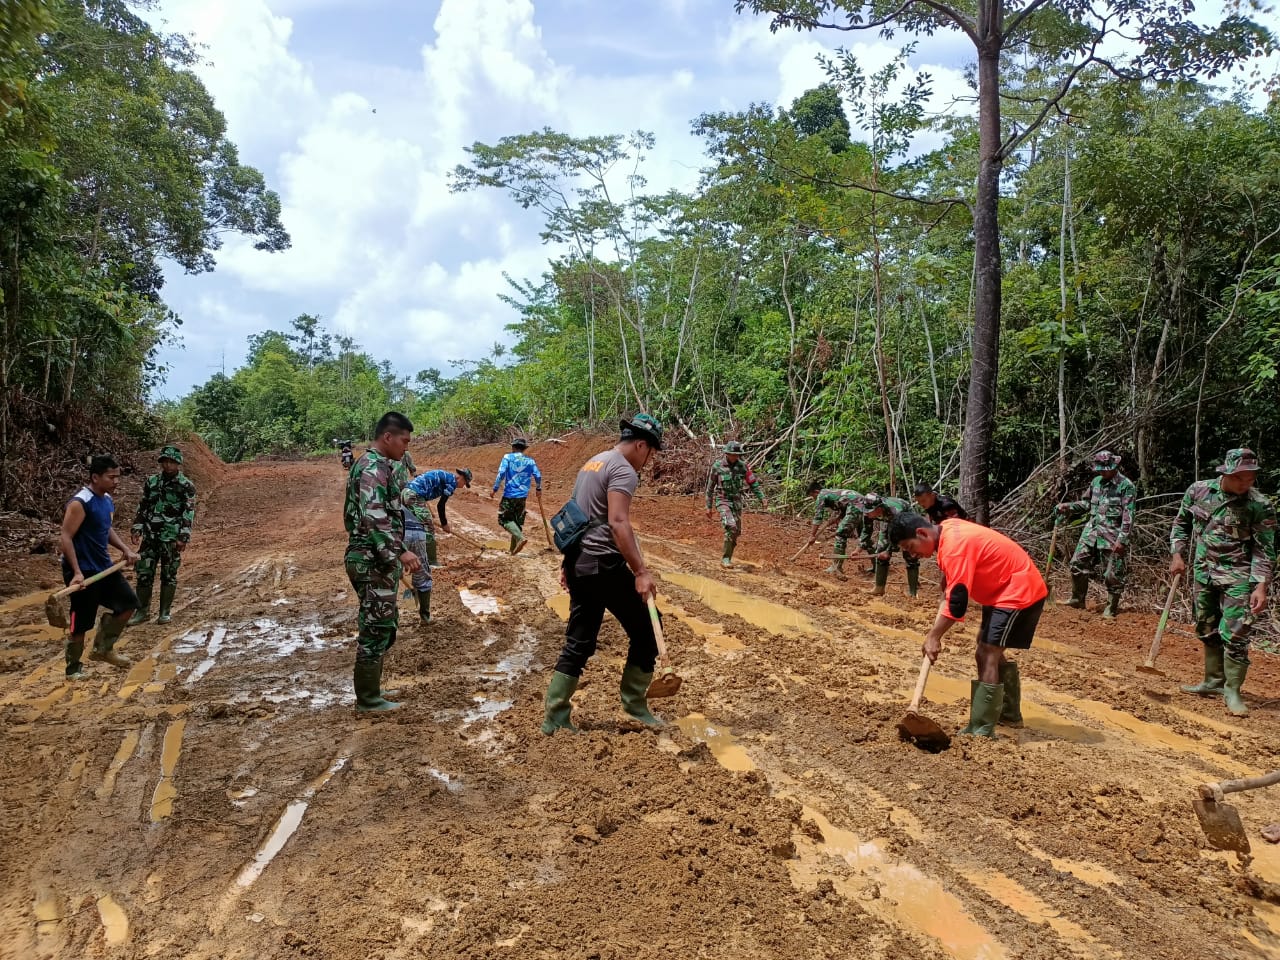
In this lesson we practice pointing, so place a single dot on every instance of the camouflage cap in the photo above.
(1239, 460)
(171, 453)
(733, 446)
(644, 427)
(464, 473)
(1105, 460)
(872, 501)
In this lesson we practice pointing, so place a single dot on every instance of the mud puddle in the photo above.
(720, 597)
(724, 746)
(115, 922)
(480, 604)
(166, 791)
(285, 827)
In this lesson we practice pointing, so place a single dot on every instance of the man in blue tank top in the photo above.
(86, 535)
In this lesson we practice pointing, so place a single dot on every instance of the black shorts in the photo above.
(1011, 629)
(113, 592)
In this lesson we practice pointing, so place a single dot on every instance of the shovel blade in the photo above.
(54, 613)
(923, 732)
(1149, 668)
(1221, 825)
(665, 684)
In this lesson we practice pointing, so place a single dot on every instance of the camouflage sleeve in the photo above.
(820, 509)
(1180, 535)
(146, 504)
(1130, 496)
(188, 514)
(375, 515)
(754, 483)
(713, 487)
(1262, 565)
(1077, 507)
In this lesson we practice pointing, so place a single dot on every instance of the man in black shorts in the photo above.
(86, 534)
(605, 571)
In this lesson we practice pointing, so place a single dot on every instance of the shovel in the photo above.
(1048, 564)
(53, 610)
(920, 730)
(796, 556)
(1220, 821)
(1150, 665)
(666, 682)
(546, 527)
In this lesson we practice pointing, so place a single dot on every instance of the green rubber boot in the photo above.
(882, 578)
(431, 552)
(167, 592)
(913, 581)
(726, 555)
(517, 537)
(633, 687)
(1214, 673)
(104, 641)
(74, 650)
(367, 679)
(424, 606)
(1235, 673)
(984, 710)
(143, 613)
(1079, 590)
(837, 569)
(1112, 608)
(558, 705)
(1011, 709)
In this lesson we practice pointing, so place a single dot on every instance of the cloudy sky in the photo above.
(356, 110)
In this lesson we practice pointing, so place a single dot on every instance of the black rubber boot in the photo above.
(167, 593)
(633, 688)
(367, 680)
(1214, 673)
(1011, 709)
(558, 705)
(882, 578)
(1112, 609)
(1235, 670)
(424, 606)
(913, 581)
(1079, 591)
(74, 651)
(143, 613)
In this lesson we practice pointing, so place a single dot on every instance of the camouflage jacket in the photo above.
(892, 507)
(1109, 505)
(728, 484)
(167, 508)
(1235, 536)
(372, 512)
(836, 501)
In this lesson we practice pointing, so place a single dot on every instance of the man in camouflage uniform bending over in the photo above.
(163, 525)
(374, 518)
(1234, 527)
(730, 478)
(850, 505)
(1105, 537)
(882, 510)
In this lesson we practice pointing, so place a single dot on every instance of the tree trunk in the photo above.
(981, 406)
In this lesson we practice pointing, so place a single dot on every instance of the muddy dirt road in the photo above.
(222, 800)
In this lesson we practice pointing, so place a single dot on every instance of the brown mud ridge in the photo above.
(222, 800)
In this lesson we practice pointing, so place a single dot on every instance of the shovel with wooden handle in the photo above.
(1150, 665)
(1048, 564)
(796, 556)
(1220, 821)
(666, 682)
(546, 527)
(53, 610)
(920, 730)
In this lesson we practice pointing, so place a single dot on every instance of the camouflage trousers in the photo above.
(375, 585)
(731, 520)
(1223, 617)
(511, 510)
(419, 542)
(1115, 567)
(157, 553)
(852, 525)
(885, 547)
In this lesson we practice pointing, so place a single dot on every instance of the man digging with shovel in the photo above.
(86, 534)
(604, 570)
(984, 566)
(849, 504)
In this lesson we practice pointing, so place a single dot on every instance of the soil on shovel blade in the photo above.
(221, 798)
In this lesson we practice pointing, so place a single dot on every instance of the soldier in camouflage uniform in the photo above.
(1234, 527)
(726, 487)
(849, 504)
(163, 525)
(1105, 537)
(374, 519)
(883, 510)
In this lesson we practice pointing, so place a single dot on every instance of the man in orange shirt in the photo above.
(984, 566)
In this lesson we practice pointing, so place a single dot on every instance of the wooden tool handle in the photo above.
(796, 556)
(1214, 791)
(657, 628)
(1164, 622)
(88, 580)
(925, 664)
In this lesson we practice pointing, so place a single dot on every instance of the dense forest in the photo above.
(824, 293)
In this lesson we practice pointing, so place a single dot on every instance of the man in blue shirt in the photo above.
(418, 533)
(86, 534)
(518, 471)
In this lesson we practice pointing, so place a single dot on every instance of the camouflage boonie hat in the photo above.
(871, 501)
(733, 446)
(1239, 460)
(171, 453)
(1105, 460)
(645, 427)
